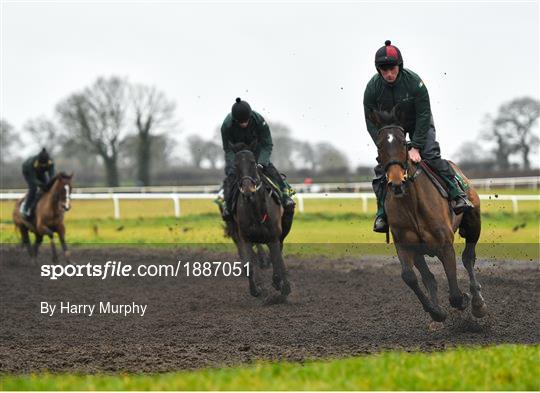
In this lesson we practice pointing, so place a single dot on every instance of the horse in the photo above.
(258, 219)
(48, 217)
(422, 223)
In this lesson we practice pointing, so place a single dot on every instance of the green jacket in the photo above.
(232, 133)
(412, 96)
(36, 173)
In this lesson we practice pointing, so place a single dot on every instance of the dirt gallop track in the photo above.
(336, 309)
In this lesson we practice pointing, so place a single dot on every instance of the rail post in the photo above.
(515, 208)
(116, 203)
(364, 204)
(176, 201)
(300, 203)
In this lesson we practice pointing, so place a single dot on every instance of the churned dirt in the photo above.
(337, 308)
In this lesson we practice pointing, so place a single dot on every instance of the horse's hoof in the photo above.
(255, 291)
(276, 282)
(465, 302)
(479, 311)
(435, 326)
(438, 315)
(285, 288)
(462, 302)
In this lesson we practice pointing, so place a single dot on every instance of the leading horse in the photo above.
(48, 217)
(422, 223)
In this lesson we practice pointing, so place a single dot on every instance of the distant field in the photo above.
(341, 231)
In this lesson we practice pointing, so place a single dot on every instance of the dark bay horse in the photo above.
(48, 217)
(422, 223)
(258, 219)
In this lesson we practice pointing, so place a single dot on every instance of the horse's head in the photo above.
(246, 168)
(61, 185)
(392, 148)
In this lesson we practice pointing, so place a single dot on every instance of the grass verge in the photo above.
(504, 367)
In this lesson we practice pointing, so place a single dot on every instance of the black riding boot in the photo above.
(28, 205)
(286, 200)
(380, 225)
(459, 202)
(458, 198)
(228, 186)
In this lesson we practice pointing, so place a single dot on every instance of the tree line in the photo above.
(126, 130)
(114, 124)
(509, 133)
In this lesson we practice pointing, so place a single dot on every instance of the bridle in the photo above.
(257, 184)
(403, 164)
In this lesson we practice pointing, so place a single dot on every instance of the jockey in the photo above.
(394, 85)
(37, 171)
(244, 125)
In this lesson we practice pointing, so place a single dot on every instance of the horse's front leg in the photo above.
(279, 276)
(49, 232)
(406, 258)
(39, 240)
(26, 239)
(458, 299)
(62, 237)
(247, 255)
(437, 313)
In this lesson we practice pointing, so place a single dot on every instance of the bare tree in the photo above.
(96, 116)
(517, 118)
(153, 113)
(282, 152)
(196, 146)
(9, 139)
(501, 136)
(161, 149)
(307, 154)
(213, 153)
(330, 158)
(45, 133)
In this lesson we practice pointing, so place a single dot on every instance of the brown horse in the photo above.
(48, 217)
(422, 223)
(259, 219)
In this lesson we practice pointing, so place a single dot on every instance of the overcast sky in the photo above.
(304, 64)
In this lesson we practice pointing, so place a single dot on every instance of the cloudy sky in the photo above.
(304, 64)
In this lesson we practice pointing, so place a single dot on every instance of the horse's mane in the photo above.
(387, 118)
(59, 175)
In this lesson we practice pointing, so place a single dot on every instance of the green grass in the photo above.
(504, 367)
(331, 228)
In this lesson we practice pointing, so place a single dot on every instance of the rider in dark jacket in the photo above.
(244, 125)
(394, 86)
(37, 170)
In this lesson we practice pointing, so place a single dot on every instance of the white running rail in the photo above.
(300, 198)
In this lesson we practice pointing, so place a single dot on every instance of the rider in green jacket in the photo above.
(244, 125)
(394, 86)
(37, 170)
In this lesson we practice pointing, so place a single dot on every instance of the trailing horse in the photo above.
(48, 217)
(258, 219)
(422, 223)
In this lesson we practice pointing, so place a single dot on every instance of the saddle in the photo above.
(437, 180)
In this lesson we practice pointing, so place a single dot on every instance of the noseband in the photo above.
(251, 179)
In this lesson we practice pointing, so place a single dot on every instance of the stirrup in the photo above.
(380, 225)
(460, 204)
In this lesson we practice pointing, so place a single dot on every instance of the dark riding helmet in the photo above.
(241, 111)
(388, 55)
(43, 157)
